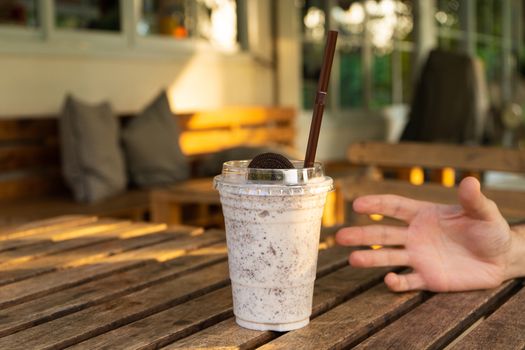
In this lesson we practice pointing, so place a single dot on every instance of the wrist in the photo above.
(516, 260)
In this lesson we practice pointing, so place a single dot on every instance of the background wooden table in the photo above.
(90, 283)
(167, 204)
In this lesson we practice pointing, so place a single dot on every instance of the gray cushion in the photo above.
(212, 164)
(151, 145)
(92, 161)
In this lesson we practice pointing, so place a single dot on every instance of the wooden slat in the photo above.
(510, 203)
(35, 287)
(501, 330)
(119, 312)
(408, 154)
(82, 256)
(191, 191)
(151, 330)
(49, 307)
(34, 208)
(236, 117)
(32, 252)
(440, 319)
(28, 129)
(202, 142)
(31, 185)
(95, 320)
(62, 234)
(329, 291)
(28, 157)
(158, 329)
(350, 322)
(45, 225)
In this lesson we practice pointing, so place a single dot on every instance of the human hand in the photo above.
(449, 247)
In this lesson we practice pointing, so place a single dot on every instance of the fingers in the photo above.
(474, 202)
(389, 205)
(372, 234)
(402, 283)
(379, 257)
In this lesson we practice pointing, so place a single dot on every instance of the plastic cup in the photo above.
(273, 221)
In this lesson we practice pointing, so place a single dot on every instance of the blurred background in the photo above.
(215, 53)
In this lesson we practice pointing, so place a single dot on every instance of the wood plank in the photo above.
(118, 312)
(32, 185)
(10, 273)
(329, 291)
(62, 234)
(501, 330)
(28, 129)
(510, 203)
(36, 287)
(59, 304)
(42, 226)
(29, 157)
(350, 322)
(95, 320)
(235, 117)
(158, 329)
(452, 313)
(34, 208)
(191, 191)
(432, 155)
(32, 252)
(202, 142)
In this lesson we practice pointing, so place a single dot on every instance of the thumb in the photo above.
(475, 204)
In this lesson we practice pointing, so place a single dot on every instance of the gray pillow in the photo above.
(92, 161)
(151, 145)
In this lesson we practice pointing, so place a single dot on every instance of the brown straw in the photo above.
(320, 99)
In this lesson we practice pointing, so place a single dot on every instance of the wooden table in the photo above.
(95, 283)
(167, 203)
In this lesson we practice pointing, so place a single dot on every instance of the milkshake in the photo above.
(273, 221)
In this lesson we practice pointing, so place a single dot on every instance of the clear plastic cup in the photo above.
(273, 221)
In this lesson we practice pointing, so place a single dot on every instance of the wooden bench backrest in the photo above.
(30, 149)
(435, 156)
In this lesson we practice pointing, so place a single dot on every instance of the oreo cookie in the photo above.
(268, 161)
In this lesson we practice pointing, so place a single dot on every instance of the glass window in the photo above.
(19, 13)
(311, 71)
(171, 18)
(370, 30)
(382, 80)
(212, 20)
(448, 14)
(351, 81)
(88, 14)
(489, 17)
(406, 76)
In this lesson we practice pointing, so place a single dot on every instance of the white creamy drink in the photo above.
(273, 220)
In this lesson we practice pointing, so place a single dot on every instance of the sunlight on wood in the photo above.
(228, 117)
(78, 232)
(218, 250)
(448, 177)
(143, 229)
(201, 142)
(417, 176)
(376, 217)
(329, 217)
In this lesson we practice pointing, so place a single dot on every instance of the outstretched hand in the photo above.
(449, 247)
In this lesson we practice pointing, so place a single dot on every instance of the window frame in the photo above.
(47, 38)
(367, 59)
